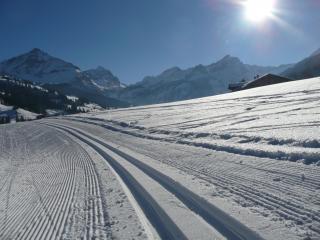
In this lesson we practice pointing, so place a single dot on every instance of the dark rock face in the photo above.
(103, 78)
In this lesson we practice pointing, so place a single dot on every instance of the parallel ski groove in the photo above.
(292, 210)
(226, 225)
(297, 209)
(165, 227)
(46, 218)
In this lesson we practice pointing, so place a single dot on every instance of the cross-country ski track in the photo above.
(166, 228)
(235, 166)
(163, 207)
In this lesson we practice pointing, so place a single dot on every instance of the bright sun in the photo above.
(259, 10)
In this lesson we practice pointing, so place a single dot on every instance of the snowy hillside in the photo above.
(5, 108)
(15, 114)
(26, 115)
(279, 121)
(35, 98)
(176, 84)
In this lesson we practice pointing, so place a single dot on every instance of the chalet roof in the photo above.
(264, 80)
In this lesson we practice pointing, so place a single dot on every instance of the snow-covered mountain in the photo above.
(177, 84)
(57, 74)
(39, 66)
(103, 78)
(307, 68)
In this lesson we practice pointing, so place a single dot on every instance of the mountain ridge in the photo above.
(103, 78)
(39, 66)
(172, 84)
(55, 73)
(175, 84)
(307, 68)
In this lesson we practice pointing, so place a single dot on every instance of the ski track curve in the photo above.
(226, 225)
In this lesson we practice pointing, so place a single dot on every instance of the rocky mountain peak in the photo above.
(39, 66)
(36, 51)
(228, 59)
(103, 78)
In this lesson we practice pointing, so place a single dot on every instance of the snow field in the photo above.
(271, 189)
(235, 166)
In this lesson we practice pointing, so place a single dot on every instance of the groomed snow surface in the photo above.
(234, 166)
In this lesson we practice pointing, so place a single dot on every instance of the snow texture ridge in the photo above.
(278, 121)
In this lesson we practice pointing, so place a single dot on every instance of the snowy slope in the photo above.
(279, 121)
(19, 112)
(36, 98)
(253, 154)
(5, 108)
(177, 84)
(276, 199)
(26, 115)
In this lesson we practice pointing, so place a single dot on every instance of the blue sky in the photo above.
(135, 38)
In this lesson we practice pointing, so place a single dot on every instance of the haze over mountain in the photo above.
(177, 84)
(307, 68)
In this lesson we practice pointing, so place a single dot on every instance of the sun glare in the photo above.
(259, 10)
